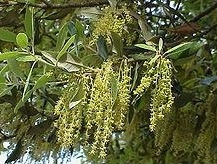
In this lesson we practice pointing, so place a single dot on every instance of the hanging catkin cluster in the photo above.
(157, 76)
(164, 131)
(184, 133)
(111, 21)
(108, 105)
(101, 109)
(123, 96)
(70, 112)
(206, 143)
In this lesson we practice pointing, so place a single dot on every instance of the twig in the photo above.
(173, 11)
(209, 30)
(4, 136)
(204, 13)
(44, 5)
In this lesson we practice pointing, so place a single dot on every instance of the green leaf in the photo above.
(7, 36)
(183, 50)
(9, 55)
(142, 56)
(92, 60)
(65, 47)
(180, 47)
(22, 40)
(59, 14)
(62, 36)
(77, 94)
(146, 47)
(23, 100)
(153, 60)
(6, 90)
(41, 82)
(26, 58)
(39, 128)
(49, 57)
(38, 84)
(117, 43)
(72, 28)
(90, 12)
(80, 28)
(208, 80)
(69, 66)
(183, 99)
(28, 22)
(28, 79)
(102, 48)
(145, 29)
(15, 67)
(39, 58)
(4, 70)
(73, 62)
(2, 82)
(74, 31)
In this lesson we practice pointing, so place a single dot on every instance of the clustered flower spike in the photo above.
(111, 21)
(157, 77)
(206, 141)
(123, 96)
(162, 98)
(99, 111)
(183, 134)
(70, 120)
(102, 109)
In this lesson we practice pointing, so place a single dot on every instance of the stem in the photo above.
(46, 5)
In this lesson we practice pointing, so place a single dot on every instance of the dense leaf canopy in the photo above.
(123, 81)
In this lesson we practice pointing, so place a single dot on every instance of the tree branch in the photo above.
(47, 5)
(206, 12)
(4, 136)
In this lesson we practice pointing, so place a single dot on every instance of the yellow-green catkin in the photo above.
(164, 131)
(158, 77)
(162, 98)
(183, 134)
(148, 78)
(70, 113)
(99, 115)
(206, 143)
(113, 20)
(123, 96)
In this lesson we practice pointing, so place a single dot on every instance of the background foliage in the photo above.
(125, 81)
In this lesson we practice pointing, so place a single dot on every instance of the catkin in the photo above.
(111, 21)
(123, 96)
(162, 98)
(158, 77)
(206, 142)
(70, 120)
(99, 112)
